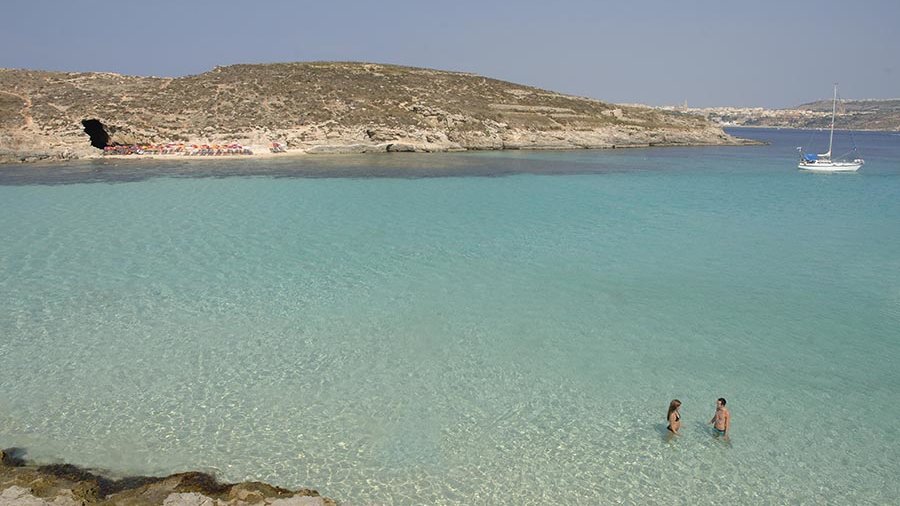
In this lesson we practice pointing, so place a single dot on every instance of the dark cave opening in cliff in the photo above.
(97, 131)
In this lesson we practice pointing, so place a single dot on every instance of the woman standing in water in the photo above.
(674, 417)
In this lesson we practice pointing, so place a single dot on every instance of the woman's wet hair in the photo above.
(722, 400)
(675, 404)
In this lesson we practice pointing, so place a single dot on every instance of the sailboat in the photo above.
(822, 162)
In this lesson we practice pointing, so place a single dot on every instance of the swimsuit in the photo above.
(677, 419)
(718, 431)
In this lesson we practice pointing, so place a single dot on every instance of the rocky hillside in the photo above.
(319, 107)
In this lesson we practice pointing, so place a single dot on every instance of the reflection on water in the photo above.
(516, 340)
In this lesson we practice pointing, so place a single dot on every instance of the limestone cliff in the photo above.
(319, 107)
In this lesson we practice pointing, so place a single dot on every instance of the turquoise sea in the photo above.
(479, 328)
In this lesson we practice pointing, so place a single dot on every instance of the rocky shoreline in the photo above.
(351, 147)
(29, 484)
(319, 108)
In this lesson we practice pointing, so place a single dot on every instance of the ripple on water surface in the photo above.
(443, 340)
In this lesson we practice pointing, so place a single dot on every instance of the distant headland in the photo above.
(319, 107)
(871, 114)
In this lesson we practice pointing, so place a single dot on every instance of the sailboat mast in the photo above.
(833, 109)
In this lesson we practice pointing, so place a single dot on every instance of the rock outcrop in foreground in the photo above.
(319, 108)
(67, 485)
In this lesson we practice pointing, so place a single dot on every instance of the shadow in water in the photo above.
(665, 434)
(403, 166)
(13, 457)
(191, 481)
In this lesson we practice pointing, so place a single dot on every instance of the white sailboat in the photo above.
(822, 162)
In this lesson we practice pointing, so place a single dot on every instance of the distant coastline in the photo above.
(854, 115)
(836, 129)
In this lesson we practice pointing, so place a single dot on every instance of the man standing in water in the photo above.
(721, 421)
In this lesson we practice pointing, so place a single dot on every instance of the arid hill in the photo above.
(319, 107)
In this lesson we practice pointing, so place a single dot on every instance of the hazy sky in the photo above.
(749, 53)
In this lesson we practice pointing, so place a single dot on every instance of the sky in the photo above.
(659, 52)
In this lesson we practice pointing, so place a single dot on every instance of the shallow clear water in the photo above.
(403, 339)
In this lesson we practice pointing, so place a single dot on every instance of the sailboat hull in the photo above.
(830, 166)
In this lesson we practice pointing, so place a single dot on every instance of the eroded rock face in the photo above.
(319, 107)
(22, 496)
(97, 132)
(63, 485)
